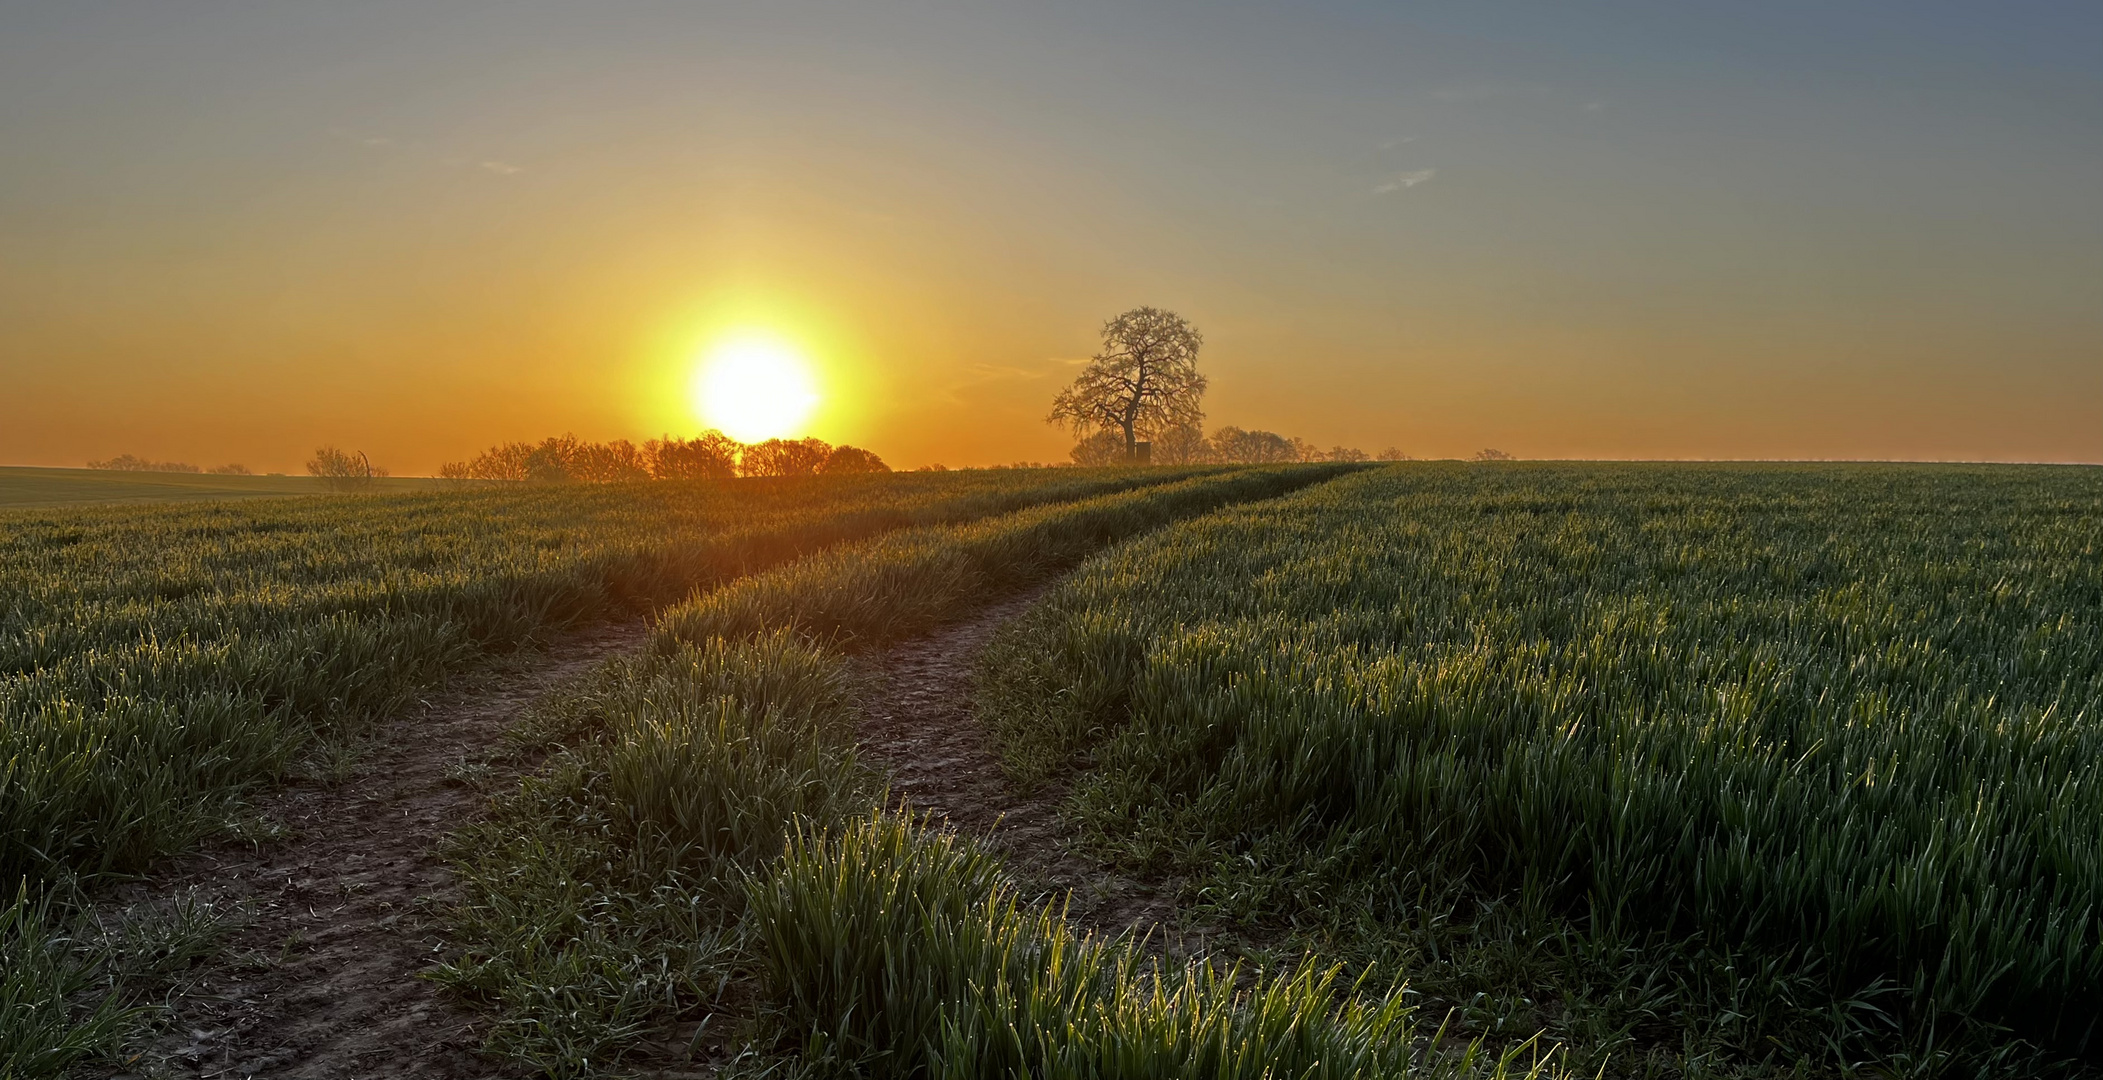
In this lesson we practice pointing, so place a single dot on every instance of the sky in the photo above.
(236, 231)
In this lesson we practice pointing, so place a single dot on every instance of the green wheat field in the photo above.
(1455, 769)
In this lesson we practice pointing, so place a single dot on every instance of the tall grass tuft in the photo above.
(903, 954)
(44, 1028)
(603, 895)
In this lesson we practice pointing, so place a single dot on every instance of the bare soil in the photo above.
(320, 980)
(921, 725)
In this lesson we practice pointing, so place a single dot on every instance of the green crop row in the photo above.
(704, 837)
(157, 663)
(1817, 744)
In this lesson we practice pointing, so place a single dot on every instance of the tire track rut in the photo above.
(321, 977)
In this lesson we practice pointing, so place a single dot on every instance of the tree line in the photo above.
(1227, 445)
(135, 463)
(710, 456)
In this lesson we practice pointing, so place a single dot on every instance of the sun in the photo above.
(753, 387)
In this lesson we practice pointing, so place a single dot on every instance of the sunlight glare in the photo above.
(753, 387)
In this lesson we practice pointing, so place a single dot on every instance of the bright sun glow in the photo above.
(753, 387)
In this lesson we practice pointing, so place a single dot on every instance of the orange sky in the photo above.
(236, 234)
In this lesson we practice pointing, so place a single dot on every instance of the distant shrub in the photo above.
(554, 460)
(1102, 448)
(710, 456)
(852, 459)
(230, 470)
(1393, 453)
(784, 457)
(1232, 444)
(344, 470)
(1489, 454)
(1183, 445)
(605, 463)
(132, 463)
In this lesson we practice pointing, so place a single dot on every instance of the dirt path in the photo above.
(321, 978)
(921, 725)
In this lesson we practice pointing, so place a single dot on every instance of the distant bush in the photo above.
(784, 457)
(712, 456)
(1253, 447)
(1229, 445)
(1184, 445)
(230, 470)
(606, 463)
(1489, 454)
(1393, 453)
(554, 460)
(1101, 448)
(511, 461)
(852, 459)
(344, 470)
(131, 463)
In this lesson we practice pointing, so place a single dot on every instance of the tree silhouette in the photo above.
(1144, 380)
(711, 456)
(852, 459)
(784, 457)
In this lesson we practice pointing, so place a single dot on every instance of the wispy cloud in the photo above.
(361, 138)
(502, 168)
(1537, 95)
(1404, 180)
(979, 376)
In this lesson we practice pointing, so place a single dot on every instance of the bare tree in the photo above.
(711, 456)
(344, 471)
(606, 463)
(1492, 454)
(1232, 444)
(1181, 445)
(1145, 380)
(784, 457)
